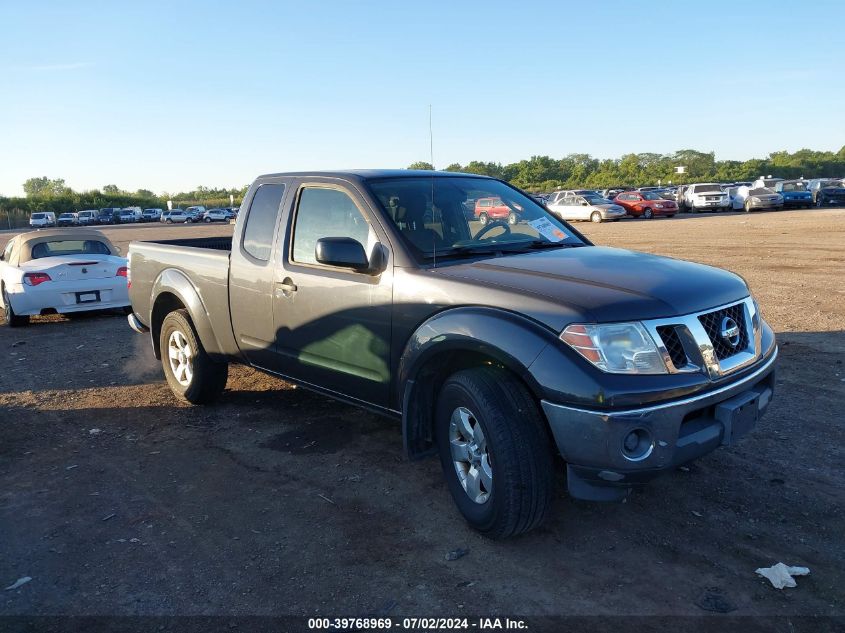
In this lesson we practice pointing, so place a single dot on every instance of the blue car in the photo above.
(795, 193)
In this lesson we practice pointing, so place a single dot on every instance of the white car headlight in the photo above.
(616, 348)
(658, 206)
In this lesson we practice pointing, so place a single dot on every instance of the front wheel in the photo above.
(208, 220)
(494, 451)
(484, 219)
(512, 219)
(192, 375)
(747, 206)
(595, 217)
(819, 202)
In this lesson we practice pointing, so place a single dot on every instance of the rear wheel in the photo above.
(747, 206)
(484, 219)
(494, 451)
(819, 203)
(512, 219)
(192, 375)
(648, 214)
(595, 216)
(12, 319)
(208, 220)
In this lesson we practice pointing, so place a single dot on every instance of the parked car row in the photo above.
(130, 215)
(198, 214)
(648, 202)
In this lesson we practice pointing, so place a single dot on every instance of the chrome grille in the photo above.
(712, 324)
(693, 343)
(673, 345)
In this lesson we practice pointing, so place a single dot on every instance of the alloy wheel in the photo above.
(470, 455)
(181, 358)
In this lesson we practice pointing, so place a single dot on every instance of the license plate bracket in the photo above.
(738, 415)
(88, 297)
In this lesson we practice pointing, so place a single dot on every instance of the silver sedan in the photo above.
(592, 208)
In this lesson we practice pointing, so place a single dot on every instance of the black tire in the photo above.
(512, 218)
(595, 217)
(819, 203)
(12, 319)
(168, 221)
(648, 214)
(208, 376)
(207, 220)
(517, 446)
(747, 206)
(484, 219)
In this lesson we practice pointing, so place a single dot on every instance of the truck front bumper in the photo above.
(607, 453)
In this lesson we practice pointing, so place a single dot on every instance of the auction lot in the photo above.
(117, 500)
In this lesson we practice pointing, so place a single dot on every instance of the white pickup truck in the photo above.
(706, 196)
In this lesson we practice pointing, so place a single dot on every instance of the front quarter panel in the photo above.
(511, 339)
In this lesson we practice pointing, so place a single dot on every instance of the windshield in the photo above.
(708, 189)
(69, 247)
(760, 191)
(830, 183)
(650, 195)
(596, 199)
(794, 186)
(432, 215)
(37, 216)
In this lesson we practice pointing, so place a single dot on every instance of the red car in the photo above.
(487, 209)
(645, 204)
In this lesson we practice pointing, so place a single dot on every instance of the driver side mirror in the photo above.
(585, 204)
(343, 252)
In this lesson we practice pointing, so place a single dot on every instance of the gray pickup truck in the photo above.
(497, 346)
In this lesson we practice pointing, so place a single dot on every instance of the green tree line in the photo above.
(543, 173)
(538, 173)
(46, 194)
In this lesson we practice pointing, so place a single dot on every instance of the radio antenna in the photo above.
(430, 139)
(431, 162)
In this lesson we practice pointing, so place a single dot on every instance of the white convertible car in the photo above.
(45, 272)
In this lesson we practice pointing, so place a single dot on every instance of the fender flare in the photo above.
(175, 282)
(505, 337)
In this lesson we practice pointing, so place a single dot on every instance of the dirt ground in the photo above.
(117, 500)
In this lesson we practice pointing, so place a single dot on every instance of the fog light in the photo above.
(637, 445)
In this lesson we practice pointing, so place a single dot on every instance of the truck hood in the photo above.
(603, 284)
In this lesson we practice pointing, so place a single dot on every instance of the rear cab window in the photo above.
(261, 218)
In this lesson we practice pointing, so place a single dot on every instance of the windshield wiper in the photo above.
(538, 244)
(463, 251)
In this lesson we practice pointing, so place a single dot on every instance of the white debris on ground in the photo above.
(18, 583)
(781, 575)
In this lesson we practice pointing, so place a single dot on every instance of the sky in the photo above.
(171, 95)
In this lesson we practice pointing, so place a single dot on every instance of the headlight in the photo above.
(658, 206)
(755, 199)
(616, 348)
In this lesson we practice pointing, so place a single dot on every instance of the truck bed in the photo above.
(201, 263)
(212, 243)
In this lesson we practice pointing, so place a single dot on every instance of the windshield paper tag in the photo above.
(548, 230)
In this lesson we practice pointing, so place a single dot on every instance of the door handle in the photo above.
(286, 287)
